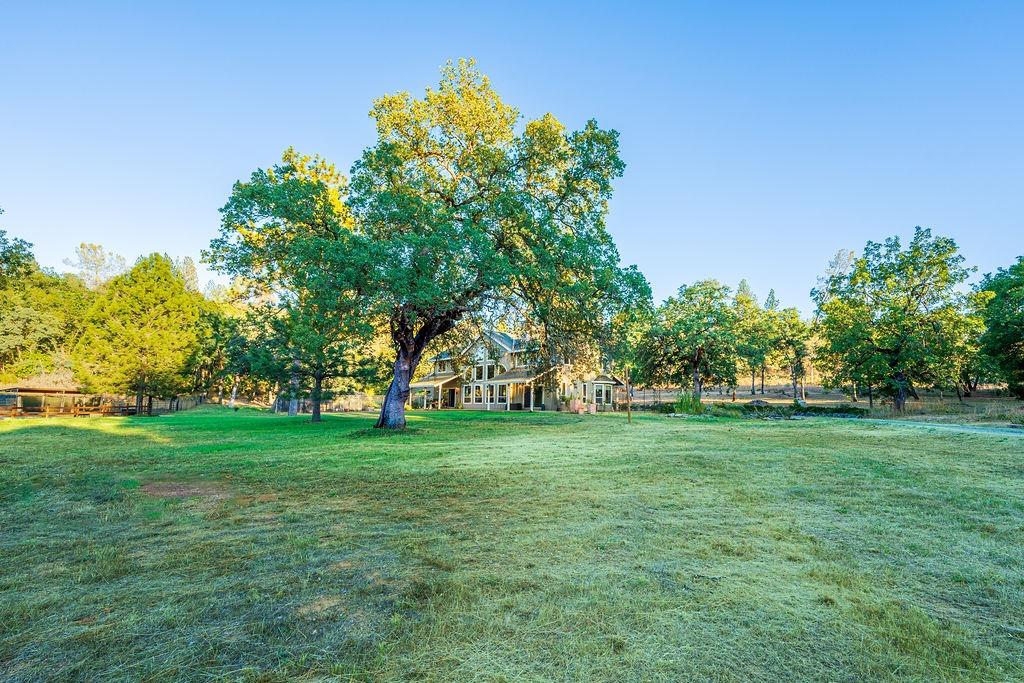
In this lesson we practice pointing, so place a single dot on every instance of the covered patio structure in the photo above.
(436, 390)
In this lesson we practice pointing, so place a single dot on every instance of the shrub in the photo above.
(687, 404)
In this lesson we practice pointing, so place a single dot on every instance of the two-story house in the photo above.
(497, 374)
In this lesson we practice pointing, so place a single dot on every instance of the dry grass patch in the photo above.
(186, 489)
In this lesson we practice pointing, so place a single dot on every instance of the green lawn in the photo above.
(214, 544)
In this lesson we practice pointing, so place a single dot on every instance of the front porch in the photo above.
(505, 394)
(435, 391)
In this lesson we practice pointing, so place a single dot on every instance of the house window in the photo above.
(490, 393)
(598, 393)
(478, 396)
(502, 393)
(465, 393)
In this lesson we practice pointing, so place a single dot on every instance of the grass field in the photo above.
(212, 544)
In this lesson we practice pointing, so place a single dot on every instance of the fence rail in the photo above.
(18, 404)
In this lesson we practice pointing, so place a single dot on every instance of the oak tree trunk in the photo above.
(392, 410)
(318, 383)
(293, 390)
(900, 399)
(629, 399)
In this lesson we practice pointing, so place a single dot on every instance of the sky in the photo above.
(759, 138)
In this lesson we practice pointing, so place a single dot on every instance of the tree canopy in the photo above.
(893, 317)
(288, 233)
(693, 339)
(15, 257)
(1003, 339)
(141, 332)
(461, 211)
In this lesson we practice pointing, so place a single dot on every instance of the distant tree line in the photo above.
(889, 322)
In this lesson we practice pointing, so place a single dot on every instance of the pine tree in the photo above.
(141, 333)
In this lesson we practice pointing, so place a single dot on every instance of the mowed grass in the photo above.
(505, 547)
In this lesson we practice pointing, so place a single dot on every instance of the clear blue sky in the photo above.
(760, 138)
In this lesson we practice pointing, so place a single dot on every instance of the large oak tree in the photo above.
(693, 339)
(462, 207)
(894, 316)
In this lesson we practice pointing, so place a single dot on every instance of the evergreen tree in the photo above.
(141, 333)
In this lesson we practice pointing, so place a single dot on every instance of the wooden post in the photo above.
(629, 401)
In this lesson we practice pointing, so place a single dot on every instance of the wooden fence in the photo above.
(84, 405)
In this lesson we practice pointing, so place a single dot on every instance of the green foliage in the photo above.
(628, 325)
(141, 332)
(288, 233)
(41, 316)
(15, 257)
(791, 337)
(463, 209)
(693, 339)
(786, 411)
(755, 333)
(688, 404)
(1003, 339)
(895, 317)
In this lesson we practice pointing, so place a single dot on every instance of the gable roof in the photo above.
(510, 343)
(503, 339)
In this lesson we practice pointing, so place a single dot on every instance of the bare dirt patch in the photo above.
(319, 606)
(186, 489)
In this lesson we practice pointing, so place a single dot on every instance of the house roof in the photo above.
(38, 389)
(49, 382)
(434, 379)
(605, 379)
(516, 375)
(508, 341)
(502, 339)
